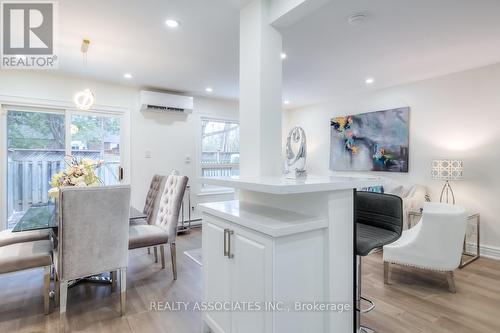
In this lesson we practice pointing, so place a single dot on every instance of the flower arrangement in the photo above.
(78, 173)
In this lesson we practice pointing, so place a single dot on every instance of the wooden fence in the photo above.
(29, 173)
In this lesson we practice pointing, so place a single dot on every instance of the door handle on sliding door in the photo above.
(120, 173)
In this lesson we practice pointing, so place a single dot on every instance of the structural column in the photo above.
(260, 92)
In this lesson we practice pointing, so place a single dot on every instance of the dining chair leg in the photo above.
(123, 289)
(46, 289)
(451, 282)
(149, 250)
(57, 292)
(112, 275)
(156, 253)
(162, 256)
(174, 259)
(63, 297)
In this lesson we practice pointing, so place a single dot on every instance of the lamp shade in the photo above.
(447, 169)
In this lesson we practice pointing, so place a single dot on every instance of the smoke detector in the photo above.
(357, 19)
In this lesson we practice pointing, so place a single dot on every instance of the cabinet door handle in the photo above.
(226, 251)
(229, 254)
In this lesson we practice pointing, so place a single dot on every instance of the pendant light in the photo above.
(84, 99)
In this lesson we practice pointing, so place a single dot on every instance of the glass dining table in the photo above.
(44, 217)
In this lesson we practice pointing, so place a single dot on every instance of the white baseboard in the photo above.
(491, 252)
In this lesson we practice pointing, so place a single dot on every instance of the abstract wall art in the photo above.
(374, 141)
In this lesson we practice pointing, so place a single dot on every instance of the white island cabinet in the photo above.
(280, 259)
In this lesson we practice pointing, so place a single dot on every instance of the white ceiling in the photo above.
(402, 41)
(130, 36)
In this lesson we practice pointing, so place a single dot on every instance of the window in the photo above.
(220, 148)
(37, 143)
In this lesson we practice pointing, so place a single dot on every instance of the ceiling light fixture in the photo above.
(369, 80)
(208, 89)
(172, 23)
(283, 55)
(127, 75)
(84, 99)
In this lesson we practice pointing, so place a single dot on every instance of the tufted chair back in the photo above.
(152, 199)
(170, 205)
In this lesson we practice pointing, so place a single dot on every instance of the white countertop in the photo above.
(267, 220)
(282, 185)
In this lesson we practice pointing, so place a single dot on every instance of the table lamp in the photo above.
(447, 170)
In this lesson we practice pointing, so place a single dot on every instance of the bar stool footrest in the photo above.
(364, 329)
(370, 308)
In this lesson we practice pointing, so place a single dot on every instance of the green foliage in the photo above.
(35, 130)
(40, 130)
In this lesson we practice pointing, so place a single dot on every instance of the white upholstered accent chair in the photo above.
(164, 229)
(93, 236)
(435, 243)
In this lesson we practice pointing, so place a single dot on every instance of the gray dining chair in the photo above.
(164, 229)
(93, 236)
(151, 205)
(7, 237)
(29, 255)
(154, 193)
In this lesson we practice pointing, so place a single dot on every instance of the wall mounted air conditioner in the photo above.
(161, 102)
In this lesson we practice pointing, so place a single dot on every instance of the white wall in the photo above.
(170, 137)
(454, 116)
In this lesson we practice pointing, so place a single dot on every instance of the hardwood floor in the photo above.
(415, 301)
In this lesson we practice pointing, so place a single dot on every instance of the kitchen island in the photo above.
(281, 257)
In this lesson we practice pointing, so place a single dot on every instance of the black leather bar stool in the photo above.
(379, 221)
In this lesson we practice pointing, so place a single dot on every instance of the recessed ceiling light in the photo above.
(172, 23)
(286, 102)
(208, 89)
(283, 55)
(369, 80)
(127, 75)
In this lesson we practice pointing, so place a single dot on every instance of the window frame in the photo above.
(210, 190)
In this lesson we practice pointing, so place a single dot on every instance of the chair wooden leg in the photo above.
(46, 289)
(386, 272)
(63, 297)
(451, 282)
(156, 253)
(123, 289)
(173, 254)
(162, 256)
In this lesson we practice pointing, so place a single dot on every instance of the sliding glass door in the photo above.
(38, 143)
(35, 151)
